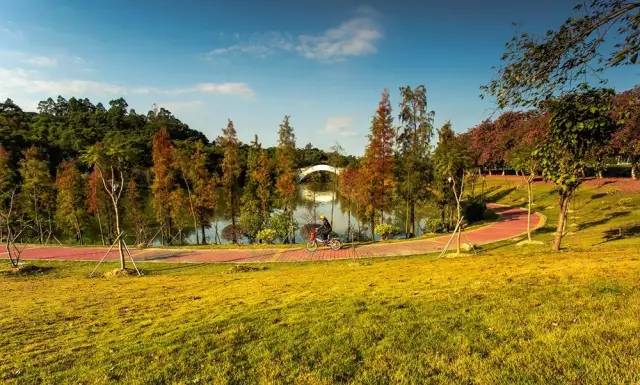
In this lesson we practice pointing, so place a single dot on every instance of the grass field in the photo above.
(510, 315)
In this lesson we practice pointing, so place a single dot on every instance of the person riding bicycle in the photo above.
(325, 229)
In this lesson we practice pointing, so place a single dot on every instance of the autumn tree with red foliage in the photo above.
(378, 164)
(626, 140)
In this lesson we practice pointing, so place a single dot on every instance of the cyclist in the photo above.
(325, 229)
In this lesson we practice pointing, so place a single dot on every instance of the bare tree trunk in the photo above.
(530, 196)
(562, 217)
(634, 175)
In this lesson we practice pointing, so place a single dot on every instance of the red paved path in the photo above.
(512, 223)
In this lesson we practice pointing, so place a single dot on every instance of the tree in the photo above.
(603, 35)
(134, 211)
(113, 158)
(231, 173)
(580, 123)
(521, 156)
(163, 180)
(451, 159)
(37, 192)
(335, 157)
(251, 214)
(97, 201)
(626, 140)
(286, 173)
(203, 187)
(71, 213)
(7, 189)
(413, 143)
(378, 162)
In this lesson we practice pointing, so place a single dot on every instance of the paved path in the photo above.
(512, 223)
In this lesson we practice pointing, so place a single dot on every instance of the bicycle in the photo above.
(313, 242)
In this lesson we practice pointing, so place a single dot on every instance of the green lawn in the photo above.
(508, 315)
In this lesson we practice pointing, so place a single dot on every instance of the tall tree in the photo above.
(97, 201)
(602, 34)
(378, 162)
(580, 123)
(163, 180)
(7, 191)
(203, 187)
(521, 157)
(451, 159)
(231, 173)
(71, 213)
(37, 194)
(626, 140)
(286, 173)
(414, 138)
(114, 159)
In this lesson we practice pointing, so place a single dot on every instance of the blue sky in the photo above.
(324, 63)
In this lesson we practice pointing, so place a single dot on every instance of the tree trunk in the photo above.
(530, 196)
(412, 218)
(120, 248)
(204, 239)
(373, 226)
(562, 217)
(634, 175)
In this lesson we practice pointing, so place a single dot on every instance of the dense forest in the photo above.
(78, 172)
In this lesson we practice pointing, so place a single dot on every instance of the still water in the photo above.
(314, 199)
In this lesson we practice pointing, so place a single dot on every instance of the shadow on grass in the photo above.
(603, 220)
(498, 195)
(622, 232)
(26, 270)
(598, 196)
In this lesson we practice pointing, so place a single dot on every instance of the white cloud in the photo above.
(340, 126)
(19, 81)
(355, 37)
(225, 88)
(41, 61)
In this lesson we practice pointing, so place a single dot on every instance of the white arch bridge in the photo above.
(303, 172)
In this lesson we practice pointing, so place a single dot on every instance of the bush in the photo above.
(266, 235)
(229, 230)
(435, 225)
(283, 224)
(384, 230)
(474, 210)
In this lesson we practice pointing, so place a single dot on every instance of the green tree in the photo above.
(231, 173)
(37, 193)
(71, 213)
(451, 159)
(163, 180)
(114, 158)
(580, 123)
(414, 138)
(285, 170)
(602, 34)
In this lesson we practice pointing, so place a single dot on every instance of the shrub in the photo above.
(266, 235)
(474, 210)
(227, 233)
(435, 225)
(384, 230)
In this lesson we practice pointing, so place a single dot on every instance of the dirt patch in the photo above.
(116, 273)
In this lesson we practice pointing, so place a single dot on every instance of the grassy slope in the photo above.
(509, 315)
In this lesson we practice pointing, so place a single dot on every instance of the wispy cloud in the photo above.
(355, 37)
(339, 126)
(20, 80)
(41, 61)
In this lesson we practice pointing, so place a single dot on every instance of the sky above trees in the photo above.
(324, 64)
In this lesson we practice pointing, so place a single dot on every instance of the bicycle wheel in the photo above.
(312, 246)
(335, 244)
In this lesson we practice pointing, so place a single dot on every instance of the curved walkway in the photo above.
(512, 223)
